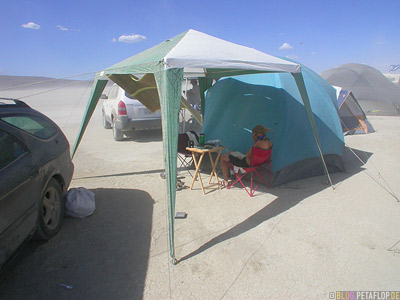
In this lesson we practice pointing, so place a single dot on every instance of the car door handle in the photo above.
(34, 172)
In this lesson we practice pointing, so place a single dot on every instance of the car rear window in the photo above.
(34, 125)
(129, 96)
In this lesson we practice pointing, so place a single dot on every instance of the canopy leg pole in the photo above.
(183, 110)
(169, 86)
(298, 77)
(97, 88)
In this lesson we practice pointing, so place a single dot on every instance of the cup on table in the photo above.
(201, 139)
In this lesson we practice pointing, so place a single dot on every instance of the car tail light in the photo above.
(121, 109)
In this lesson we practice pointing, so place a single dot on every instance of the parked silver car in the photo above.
(122, 113)
(35, 172)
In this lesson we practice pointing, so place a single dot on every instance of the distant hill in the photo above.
(25, 82)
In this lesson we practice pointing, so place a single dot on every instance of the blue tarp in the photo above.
(235, 105)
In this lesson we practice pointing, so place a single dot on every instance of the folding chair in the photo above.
(185, 157)
(261, 159)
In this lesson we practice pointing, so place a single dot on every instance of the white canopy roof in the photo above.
(197, 50)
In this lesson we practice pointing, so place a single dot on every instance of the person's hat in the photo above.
(259, 129)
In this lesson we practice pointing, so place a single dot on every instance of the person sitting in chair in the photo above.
(259, 135)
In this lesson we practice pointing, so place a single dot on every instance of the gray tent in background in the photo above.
(373, 91)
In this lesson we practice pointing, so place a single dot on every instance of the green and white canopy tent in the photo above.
(191, 54)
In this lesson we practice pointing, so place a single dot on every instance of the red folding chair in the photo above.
(261, 159)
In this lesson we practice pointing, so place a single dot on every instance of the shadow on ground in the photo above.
(143, 136)
(287, 196)
(123, 174)
(104, 256)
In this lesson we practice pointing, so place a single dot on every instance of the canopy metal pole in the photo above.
(169, 84)
(298, 77)
(97, 88)
(184, 112)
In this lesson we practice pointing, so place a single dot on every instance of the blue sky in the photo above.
(60, 38)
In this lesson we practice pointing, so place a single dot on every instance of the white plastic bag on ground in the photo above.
(79, 203)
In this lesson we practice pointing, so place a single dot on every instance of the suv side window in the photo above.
(34, 125)
(10, 149)
(113, 92)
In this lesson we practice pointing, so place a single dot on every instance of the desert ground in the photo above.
(302, 240)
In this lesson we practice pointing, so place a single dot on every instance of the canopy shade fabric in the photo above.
(191, 54)
(200, 54)
(145, 90)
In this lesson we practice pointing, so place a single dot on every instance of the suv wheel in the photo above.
(106, 124)
(51, 211)
(118, 135)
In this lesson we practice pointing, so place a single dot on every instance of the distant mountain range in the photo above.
(33, 82)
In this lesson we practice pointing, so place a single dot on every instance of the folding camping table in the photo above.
(202, 151)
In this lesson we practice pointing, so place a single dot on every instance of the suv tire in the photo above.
(117, 134)
(106, 124)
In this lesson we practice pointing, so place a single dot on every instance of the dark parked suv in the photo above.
(35, 172)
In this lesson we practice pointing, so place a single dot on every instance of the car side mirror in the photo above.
(103, 96)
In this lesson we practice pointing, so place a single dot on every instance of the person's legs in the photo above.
(224, 166)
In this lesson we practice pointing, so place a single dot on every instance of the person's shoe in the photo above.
(224, 183)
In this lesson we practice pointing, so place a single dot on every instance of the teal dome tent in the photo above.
(273, 100)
